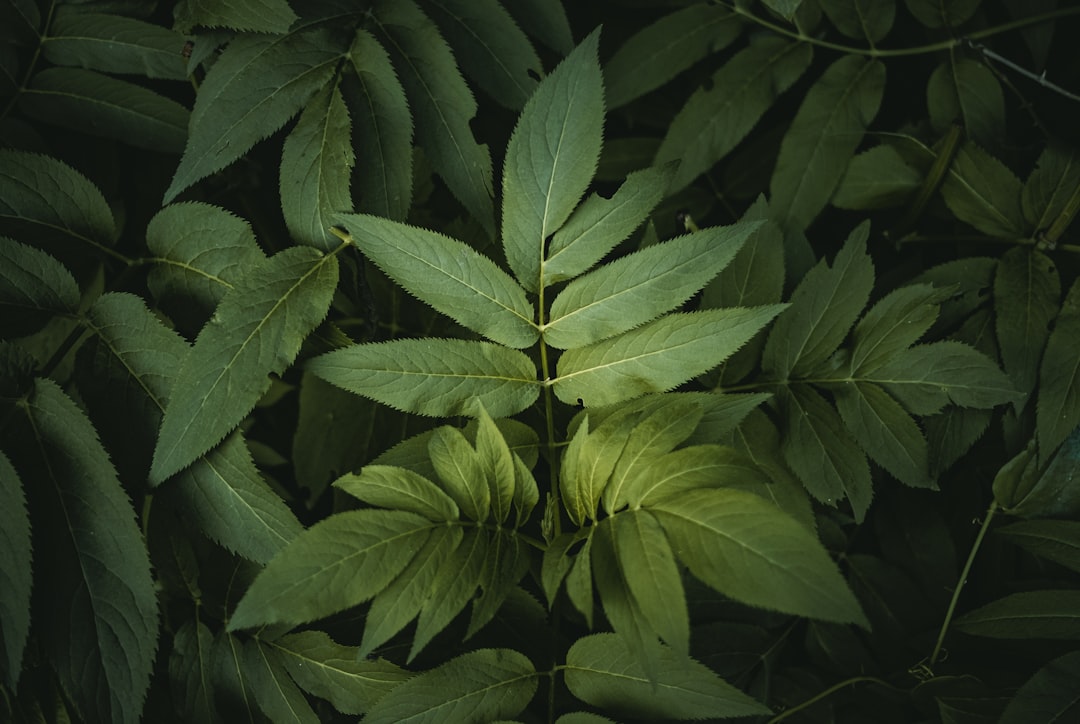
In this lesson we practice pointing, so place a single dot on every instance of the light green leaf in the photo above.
(660, 51)
(338, 563)
(460, 470)
(821, 452)
(190, 672)
(689, 468)
(823, 307)
(256, 330)
(442, 105)
(1049, 187)
(748, 549)
(399, 489)
(1053, 614)
(99, 624)
(640, 287)
(87, 101)
(449, 275)
(526, 492)
(403, 599)
(717, 117)
(927, 377)
(602, 671)
(256, 85)
(580, 489)
(383, 128)
(983, 192)
(885, 431)
(878, 178)
(483, 685)
(492, 49)
(966, 91)
(1049, 695)
(823, 136)
(113, 44)
(597, 225)
(201, 252)
(434, 377)
(657, 356)
(546, 21)
(15, 573)
(1027, 290)
(47, 200)
(893, 324)
(868, 20)
(1058, 410)
(315, 163)
(1054, 540)
(260, 16)
(452, 588)
(334, 672)
(551, 159)
(33, 282)
(274, 691)
(497, 464)
(579, 581)
(942, 13)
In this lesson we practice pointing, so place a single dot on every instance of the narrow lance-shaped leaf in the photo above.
(1050, 614)
(452, 589)
(460, 471)
(551, 159)
(396, 488)
(256, 330)
(497, 464)
(114, 44)
(1048, 695)
(191, 672)
(15, 573)
(449, 275)
(1026, 293)
(885, 431)
(893, 324)
(1058, 410)
(545, 20)
(1054, 540)
(274, 691)
(435, 377)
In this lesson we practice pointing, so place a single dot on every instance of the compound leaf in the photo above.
(1054, 540)
(1049, 695)
(546, 21)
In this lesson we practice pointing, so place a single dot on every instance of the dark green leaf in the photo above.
(967, 92)
(33, 285)
(1051, 614)
(260, 16)
(15, 573)
(868, 20)
(983, 192)
(885, 431)
(459, 468)
(435, 377)
(786, 8)
(1058, 410)
(601, 670)
(551, 159)
(893, 324)
(191, 672)
(1049, 187)
(942, 13)
(452, 588)
(878, 178)
(1054, 540)
(823, 136)
(483, 685)
(1027, 290)
(1032, 488)
(114, 44)
(256, 330)
(1050, 695)
(274, 691)
(546, 21)
(505, 562)
(232, 681)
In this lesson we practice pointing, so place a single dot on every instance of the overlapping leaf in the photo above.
(34, 286)
(1058, 410)
(114, 44)
(983, 192)
(1048, 614)
(968, 92)
(15, 573)
(868, 20)
(261, 16)
(1027, 290)
(191, 671)
(1050, 186)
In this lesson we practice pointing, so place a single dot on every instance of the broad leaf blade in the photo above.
(256, 330)
(885, 431)
(967, 92)
(260, 16)
(640, 287)
(399, 489)
(1054, 540)
(1050, 186)
(114, 44)
(1052, 614)
(449, 275)
(484, 685)
(274, 691)
(878, 178)
(33, 285)
(893, 324)
(435, 377)
(338, 563)
(983, 192)
(551, 159)
(191, 672)
(459, 468)
(657, 356)
(1027, 290)
(602, 671)
(689, 468)
(1058, 410)
(452, 588)
(15, 573)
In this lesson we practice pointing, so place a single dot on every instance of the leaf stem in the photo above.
(915, 50)
(829, 692)
(960, 586)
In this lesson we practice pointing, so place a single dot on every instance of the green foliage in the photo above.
(452, 361)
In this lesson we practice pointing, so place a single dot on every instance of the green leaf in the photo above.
(823, 307)
(551, 159)
(255, 86)
(459, 469)
(868, 20)
(636, 289)
(114, 44)
(1049, 695)
(966, 91)
(256, 330)
(191, 672)
(15, 573)
(1054, 540)
(492, 49)
(383, 128)
(434, 377)
(823, 136)
(526, 492)
(717, 117)
(449, 275)
(927, 377)
(47, 200)
(885, 431)
(233, 683)
(99, 623)
(442, 105)
(893, 324)
(452, 589)
(315, 163)
(338, 563)
(483, 685)
(399, 489)
(1058, 410)
(274, 691)
(1027, 290)
(1053, 614)
(689, 468)
(1049, 187)
(505, 562)
(579, 581)
(1030, 488)
(785, 8)
(602, 671)
(260, 16)
(545, 20)
(942, 13)
(749, 550)
(657, 356)
(334, 672)
(820, 451)
(581, 717)
(983, 192)
(878, 178)
(497, 464)
(33, 285)
(660, 51)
